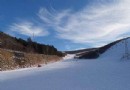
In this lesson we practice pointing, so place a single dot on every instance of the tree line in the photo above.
(34, 47)
(29, 46)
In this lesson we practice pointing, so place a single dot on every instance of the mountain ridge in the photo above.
(93, 53)
(29, 46)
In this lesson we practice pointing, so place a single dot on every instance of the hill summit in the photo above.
(18, 44)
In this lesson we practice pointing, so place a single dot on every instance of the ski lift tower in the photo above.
(126, 55)
(32, 36)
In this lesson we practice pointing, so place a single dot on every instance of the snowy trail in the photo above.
(109, 72)
(70, 75)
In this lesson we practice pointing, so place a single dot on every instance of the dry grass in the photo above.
(9, 61)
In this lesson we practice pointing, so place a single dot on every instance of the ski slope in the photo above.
(117, 51)
(109, 72)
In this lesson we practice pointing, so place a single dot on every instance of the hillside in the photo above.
(17, 53)
(120, 50)
(18, 44)
(109, 72)
(79, 51)
(94, 52)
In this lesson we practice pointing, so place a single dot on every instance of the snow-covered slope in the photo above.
(117, 51)
(69, 56)
(109, 72)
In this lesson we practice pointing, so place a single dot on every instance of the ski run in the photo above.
(111, 71)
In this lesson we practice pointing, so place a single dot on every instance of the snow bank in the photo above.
(69, 56)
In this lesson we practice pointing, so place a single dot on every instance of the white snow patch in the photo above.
(69, 56)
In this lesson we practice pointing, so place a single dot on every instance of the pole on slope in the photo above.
(126, 50)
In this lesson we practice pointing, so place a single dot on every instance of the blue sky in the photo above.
(66, 24)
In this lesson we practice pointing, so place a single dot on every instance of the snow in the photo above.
(117, 51)
(109, 72)
(69, 56)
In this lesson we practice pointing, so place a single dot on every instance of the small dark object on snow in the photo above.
(39, 65)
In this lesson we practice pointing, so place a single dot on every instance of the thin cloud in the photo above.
(53, 18)
(95, 25)
(28, 29)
